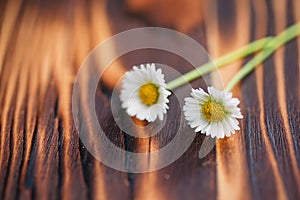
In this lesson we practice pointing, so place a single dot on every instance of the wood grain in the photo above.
(42, 45)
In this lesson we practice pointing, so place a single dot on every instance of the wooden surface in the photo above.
(42, 45)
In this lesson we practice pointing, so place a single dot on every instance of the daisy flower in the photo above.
(144, 93)
(214, 113)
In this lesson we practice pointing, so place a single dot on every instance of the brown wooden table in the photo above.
(42, 45)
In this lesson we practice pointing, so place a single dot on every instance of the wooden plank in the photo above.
(262, 158)
(228, 33)
(41, 156)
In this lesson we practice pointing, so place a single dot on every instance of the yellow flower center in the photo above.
(149, 94)
(213, 111)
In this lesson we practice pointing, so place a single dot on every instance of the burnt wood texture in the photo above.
(42, 45)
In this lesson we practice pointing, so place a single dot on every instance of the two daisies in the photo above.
(144, 95)
(215, 113)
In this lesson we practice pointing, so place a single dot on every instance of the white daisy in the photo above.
(144, 93)
(214, 113)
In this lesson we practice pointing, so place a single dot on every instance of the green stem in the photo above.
(284, 37)
(210, 66)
